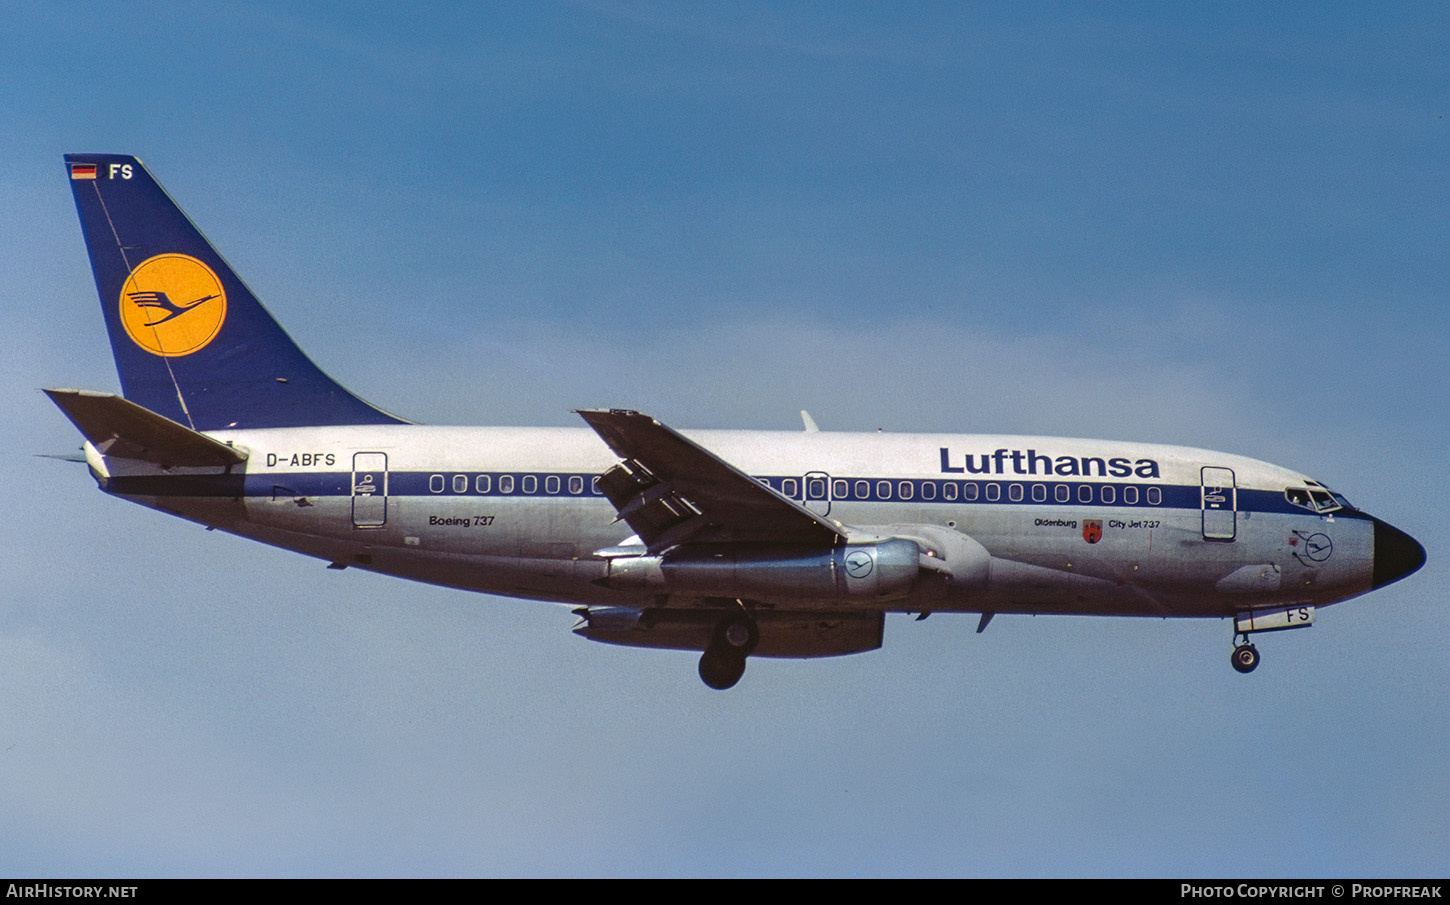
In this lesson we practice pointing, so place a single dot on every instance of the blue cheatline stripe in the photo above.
(924, 492)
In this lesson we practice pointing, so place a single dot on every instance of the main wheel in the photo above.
(721, 668)
(1245, 658)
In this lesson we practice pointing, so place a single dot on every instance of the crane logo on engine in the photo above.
(858, 564)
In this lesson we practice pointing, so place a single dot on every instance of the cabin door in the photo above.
(1220, 504)
(369, 489)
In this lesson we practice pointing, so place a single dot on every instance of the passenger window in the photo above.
(1130, 496)
(1108, 493)
(505, 483)
(1062, 493)
(863, 490)
(906, 490)
(788, 487)
(928, 490)
(969, 490)
(949, 490)
(840, 489)
(594, 486)
(436, 483)
(1039, 493)
(883, 490)
(551, 484)
(1014, 493)
(531, 483)
(483, 483)
(1155, 496)
(994, 492)
(1084, 493)
(460, 483)
(576, 484)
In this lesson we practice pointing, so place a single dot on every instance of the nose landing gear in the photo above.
(1245, 657)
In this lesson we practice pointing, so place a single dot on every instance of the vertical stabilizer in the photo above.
(191, 341)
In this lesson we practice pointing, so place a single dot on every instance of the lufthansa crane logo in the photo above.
(1318, 547)
(172, 305)
(858, 564)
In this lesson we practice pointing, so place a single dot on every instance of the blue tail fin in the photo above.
(191, 341)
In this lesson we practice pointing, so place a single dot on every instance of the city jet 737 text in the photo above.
(730, 543)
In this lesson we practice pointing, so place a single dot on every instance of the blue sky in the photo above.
(1220, 227)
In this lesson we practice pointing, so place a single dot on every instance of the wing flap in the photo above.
(121, 428)
(670, 489)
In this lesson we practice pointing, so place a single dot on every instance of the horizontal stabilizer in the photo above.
(121, 428)
(63, 457)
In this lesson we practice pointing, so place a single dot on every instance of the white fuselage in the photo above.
(1072, 526)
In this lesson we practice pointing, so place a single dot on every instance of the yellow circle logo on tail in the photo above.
(172, 305)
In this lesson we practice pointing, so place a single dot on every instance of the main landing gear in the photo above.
(723, 662)
(1245, 657)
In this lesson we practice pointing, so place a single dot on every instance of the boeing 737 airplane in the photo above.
(731, 543)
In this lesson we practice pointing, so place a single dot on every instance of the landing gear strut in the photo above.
(1245, 657)
(723, 662)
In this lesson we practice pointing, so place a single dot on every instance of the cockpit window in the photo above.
(1317, 498)
(1323, 502)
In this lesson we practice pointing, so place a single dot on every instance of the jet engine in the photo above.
(881, 564)
(857, 573)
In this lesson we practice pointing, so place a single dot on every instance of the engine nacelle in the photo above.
(781, 635)
(880, 570)
(956, 568)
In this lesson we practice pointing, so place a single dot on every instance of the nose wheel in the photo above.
(723, 662)
(1245, 657)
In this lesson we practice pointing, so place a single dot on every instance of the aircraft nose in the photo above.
(1396, 554)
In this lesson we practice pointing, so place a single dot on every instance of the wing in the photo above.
(670, 490)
